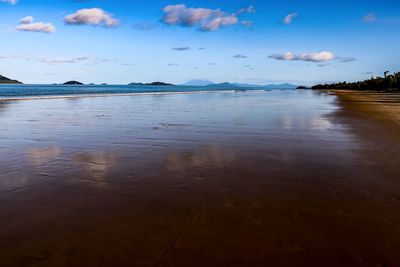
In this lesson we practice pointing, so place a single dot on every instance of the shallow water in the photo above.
(220, 178)
(24, 91)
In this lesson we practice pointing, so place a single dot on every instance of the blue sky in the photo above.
(258, 41)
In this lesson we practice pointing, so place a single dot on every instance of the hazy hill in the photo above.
(268, 86)
(224, 85)
(198, 83)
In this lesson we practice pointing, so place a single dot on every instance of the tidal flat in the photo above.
(256, 178)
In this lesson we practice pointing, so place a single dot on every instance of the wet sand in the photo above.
(213, 179)
(383, 107)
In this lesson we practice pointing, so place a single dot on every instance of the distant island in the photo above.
(200, 83)
(245, 85)
(73, 83)
(219, 85)
(390, 82)
(197, 83)
(151, 84)
(303, 87)
(207, 83)
(5, 80)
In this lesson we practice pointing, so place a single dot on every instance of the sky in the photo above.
(240, 41)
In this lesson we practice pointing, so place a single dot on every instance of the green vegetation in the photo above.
(387, 83)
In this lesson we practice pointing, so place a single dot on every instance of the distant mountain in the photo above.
(247, 85)
(222, 85)
(73, 83)
(151, 84)
(8, 81)
(268, 86)
(198, 83)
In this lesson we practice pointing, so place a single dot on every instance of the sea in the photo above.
(12, 91)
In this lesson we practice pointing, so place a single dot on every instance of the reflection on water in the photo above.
(95, 164)
(41, 156)
(206, 157)
(13, 181)
(289, 122)
(75, 137)
(3, 106)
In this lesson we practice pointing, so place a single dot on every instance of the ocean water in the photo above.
(24, 91)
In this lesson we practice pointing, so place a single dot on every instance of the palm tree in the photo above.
(386, 73)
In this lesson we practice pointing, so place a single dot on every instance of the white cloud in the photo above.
(218, 22)
(26, 20)
(58, 60)
(289, 18)
(203, 19)
(27, 25)
(311, 57)
(249, 9)
(11, 2)
(91, 16)
(5, 56)
(370, 17)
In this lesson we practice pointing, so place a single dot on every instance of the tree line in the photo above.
(390, 82)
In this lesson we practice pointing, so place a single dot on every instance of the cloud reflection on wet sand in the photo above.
(208, 156)
(13, 181)
(289, 122)
(95, 164)
(40, 156)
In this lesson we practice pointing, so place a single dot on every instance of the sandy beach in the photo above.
(381, 106)
(207, 179)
